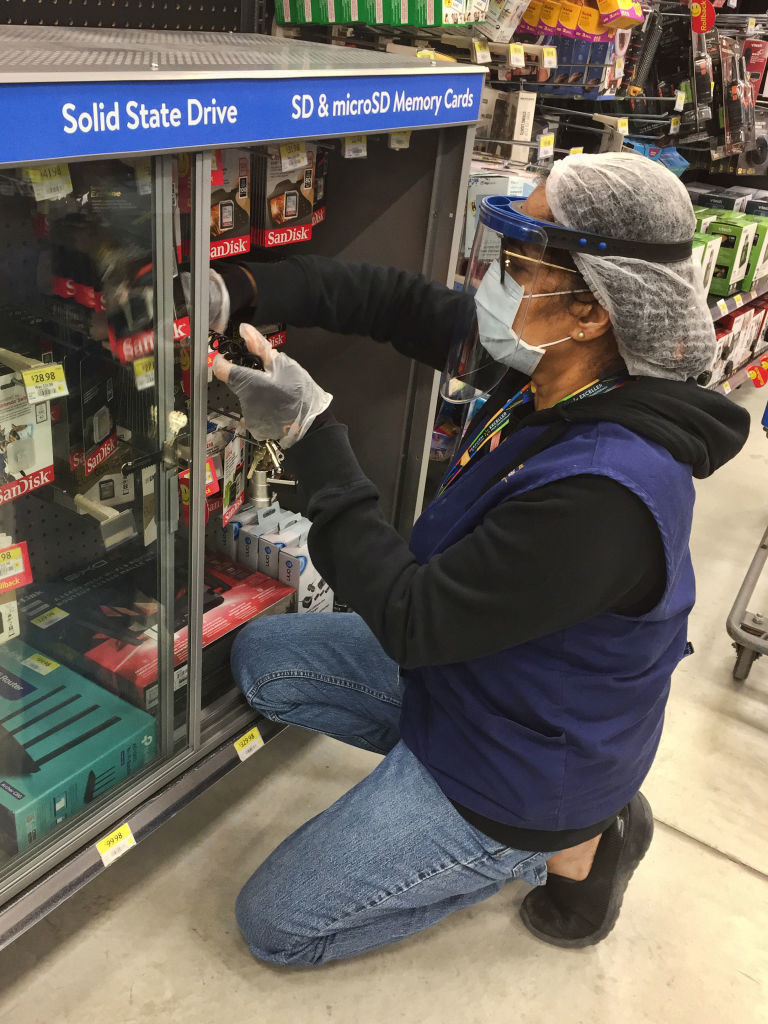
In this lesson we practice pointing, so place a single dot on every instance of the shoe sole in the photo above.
(625, 871)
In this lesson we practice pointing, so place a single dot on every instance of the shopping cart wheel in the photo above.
(744, 658)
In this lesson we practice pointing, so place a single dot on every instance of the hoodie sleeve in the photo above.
(420, 318)
(535, 565)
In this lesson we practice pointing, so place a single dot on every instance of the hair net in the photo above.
(659, 312)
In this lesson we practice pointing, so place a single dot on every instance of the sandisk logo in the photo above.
(276, 340)
(284, 236)
(230, 247)
(318, 216)
(102, 453)
(18, 488)
(181, 329)
(76, 458)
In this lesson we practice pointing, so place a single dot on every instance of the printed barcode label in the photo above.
(679, 100)
(9, 620)
(50, 617)
(44, 383)
(739, 300)
(618, 67)
(549, 57)
(399, 140)
(355, 146)
(115, 844)
(249, 743)
(50, 181)
(674, 127)
(39, 663)
(144, 372)
(293, 155)
(624, 125)
(546, 146)
(726, 387)
(722, 306)
(11, 562)
(516, 55)
(15, 570)
(576, 150)
(482, 53)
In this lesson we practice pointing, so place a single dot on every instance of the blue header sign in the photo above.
(66, 120)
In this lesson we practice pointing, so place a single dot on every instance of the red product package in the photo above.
(755, 52)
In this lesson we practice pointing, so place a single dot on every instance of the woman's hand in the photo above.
(279, 402)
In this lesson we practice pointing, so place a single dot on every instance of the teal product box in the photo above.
(64, 741)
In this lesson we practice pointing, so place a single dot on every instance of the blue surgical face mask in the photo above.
(497, 304)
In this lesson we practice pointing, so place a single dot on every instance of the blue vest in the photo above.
(559, 732)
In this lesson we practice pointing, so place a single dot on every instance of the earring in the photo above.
(580, 334)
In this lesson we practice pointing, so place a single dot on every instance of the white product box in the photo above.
(26, 446)
(296, 569)
(271, 542)
(502, 18)
(491, 183)
(488, 99)
(248, 536)
(246, 515)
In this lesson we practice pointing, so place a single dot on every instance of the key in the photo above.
(275, 453)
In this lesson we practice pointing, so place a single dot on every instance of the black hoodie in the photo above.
(538, 563)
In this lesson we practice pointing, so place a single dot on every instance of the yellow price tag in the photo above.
(44, 383)
(113, 846)
(249, 743)
(482, 53)
(722, 306)
(624, 125)
(546, 146)
(144, 372)
(674, 126)
(679, 100)
(39, 663)
(50, 617)
(399, 140)
(576, 150)
(293, 155)
(50, 181)
(726, 387)
(548, 57)
(354, 147)
(516, 56)
(739, 300)
(751, 24)
(618, 67)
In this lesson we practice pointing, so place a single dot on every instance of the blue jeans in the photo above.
(390, 857)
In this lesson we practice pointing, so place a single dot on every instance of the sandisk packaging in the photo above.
(321, 187)
(284, 196)
(26, 450)
(231, 203)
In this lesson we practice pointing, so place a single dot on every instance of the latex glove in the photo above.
(218, 299)
(280, 402)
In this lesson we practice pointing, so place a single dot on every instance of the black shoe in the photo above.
(576, 914)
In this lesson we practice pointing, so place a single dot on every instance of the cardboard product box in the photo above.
(513, 119)
(231, 205)
(430, 13)
(271, 541)
(246, 515)
(502, 19)
(704, 217)
(705, 250)
(733, 257)
(283, 204)
(488, 98)
(319, 205)
(757, 206)
(735, 199)
(295, 568)
(755, 53)
(758, 257)
(249, 533)
(621, 13)
(26, 448)
(101, 620)
(481, 185)
(64, 742)
(529, 20)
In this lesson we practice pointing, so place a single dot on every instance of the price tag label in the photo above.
(44, 383)
(113, 846)
(739, 300)
(482, 53)
(751, 24)
(726, 387)
(624, 125)
(674, 126)
(516, 56)
(546, 146)
(249, 744)
(355, 147)
(10, 626)
(722, 306)
(576, 150)
(15, 570)
(293, 155)
(679, 100)
(618, 67)
(143, 171)
(39, 663)
(548, 57)
(49, 618)
(144, 372)
(50, 181)
(399, 140)
(211, 480)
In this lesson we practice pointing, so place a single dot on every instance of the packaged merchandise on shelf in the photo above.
(283, 200)
(513, 118)
(295, 568)
(735, 249)
(270, 543)
(102, 619)
(757, 267)
(231, 205)
(502, 19)
(233, 482)
(705, 250)
(621, 13)
(248, 535)
(491, 183)
(64, 742)
(26, 448)
(319, 204)
(755, 54)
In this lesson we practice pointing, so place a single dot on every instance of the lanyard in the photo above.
(600, 386)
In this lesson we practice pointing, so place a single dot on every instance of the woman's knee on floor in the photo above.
(262, 917)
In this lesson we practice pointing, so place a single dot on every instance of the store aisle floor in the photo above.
(154, 939)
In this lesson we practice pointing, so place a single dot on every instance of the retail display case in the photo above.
(128, 163)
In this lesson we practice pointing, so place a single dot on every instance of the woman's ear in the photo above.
(593, 320)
